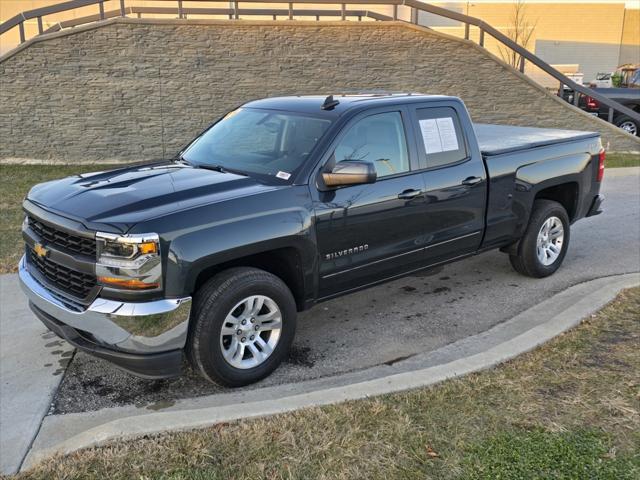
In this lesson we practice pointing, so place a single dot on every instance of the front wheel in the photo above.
(544, 244)
(243, 326)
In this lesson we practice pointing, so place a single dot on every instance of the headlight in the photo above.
(129, 262)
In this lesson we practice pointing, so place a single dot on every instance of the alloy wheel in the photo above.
(549, 241)
(629, 127)
(250, 332)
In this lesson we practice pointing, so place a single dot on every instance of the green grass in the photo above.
(539, 454)
(567, 410)
(16, 180)
(617, 160)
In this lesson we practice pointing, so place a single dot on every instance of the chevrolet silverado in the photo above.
(284, 203)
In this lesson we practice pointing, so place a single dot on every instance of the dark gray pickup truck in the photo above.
(284, 203)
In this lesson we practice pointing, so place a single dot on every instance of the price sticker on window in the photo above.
(439, 135)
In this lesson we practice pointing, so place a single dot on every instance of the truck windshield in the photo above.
(267, 143)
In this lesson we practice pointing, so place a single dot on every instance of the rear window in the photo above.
(440, 137)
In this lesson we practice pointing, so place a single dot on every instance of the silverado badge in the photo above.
(344, 253)
(40, 250)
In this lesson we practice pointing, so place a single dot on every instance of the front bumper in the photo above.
(144, 338)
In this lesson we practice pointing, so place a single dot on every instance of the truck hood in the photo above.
(124, 197)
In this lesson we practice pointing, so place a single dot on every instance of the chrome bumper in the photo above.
(140, 328)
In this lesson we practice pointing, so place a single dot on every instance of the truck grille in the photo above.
(70, 281)
(66, 241)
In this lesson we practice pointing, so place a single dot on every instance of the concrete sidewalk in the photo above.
(32, 361)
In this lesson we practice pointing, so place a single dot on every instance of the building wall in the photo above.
(139, 89)
(590, 34)
(590, 58)
(630, 44)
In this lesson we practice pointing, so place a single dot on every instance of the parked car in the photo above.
(285, 203)
(602, 80)
(629, 97)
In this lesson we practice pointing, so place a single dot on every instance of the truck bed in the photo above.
(501, 139)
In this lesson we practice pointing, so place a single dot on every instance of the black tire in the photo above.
(628, 124)
(526, 261)
(213, 302)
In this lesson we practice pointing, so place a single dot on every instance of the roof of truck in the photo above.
(313, 103)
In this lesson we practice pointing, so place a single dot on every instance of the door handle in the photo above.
(471, 181)
(409, 194)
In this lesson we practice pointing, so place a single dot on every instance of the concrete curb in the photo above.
(562, 312)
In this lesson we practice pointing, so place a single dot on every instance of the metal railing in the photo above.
(233, 11)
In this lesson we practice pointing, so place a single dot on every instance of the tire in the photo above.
(233, 295)
(527, 261)
(628, 125)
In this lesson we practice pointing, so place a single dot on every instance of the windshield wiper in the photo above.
(221, 169)
(182, 160)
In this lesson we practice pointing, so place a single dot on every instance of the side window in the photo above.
(378, 139)
(441, 136)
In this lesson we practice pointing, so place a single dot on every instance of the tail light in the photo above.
(601, 156)
(592, 103)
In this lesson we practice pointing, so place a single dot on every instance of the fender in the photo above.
(516, 180)
(534, 178)
(217, 234)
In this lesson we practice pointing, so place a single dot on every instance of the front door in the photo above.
(366, 233)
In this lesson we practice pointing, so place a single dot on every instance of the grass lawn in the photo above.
(615, 160)
(16, 180)
(567, 410)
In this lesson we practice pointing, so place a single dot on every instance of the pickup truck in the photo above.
(284, 203)
(629, 97)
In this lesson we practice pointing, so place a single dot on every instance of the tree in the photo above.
(520, 30)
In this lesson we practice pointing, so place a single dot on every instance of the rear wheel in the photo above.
(627, 124)
(544, 244)
(244, 324)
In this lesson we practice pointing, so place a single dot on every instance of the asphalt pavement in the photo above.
(395, 321)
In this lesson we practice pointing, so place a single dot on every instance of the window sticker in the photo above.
(430, 136)
(283, 175)
(439, 135)
(448, 136)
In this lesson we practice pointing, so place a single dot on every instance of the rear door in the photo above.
(455, 181)
(366, 233)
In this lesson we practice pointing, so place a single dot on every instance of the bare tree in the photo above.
(520, 30)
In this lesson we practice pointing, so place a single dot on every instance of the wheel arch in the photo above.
(566, 194)
(284, 262)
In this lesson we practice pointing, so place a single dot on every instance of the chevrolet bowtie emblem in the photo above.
(40, 250)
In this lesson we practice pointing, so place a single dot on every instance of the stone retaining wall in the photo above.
(130, 89)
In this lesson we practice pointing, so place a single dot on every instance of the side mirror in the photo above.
(350, 172)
